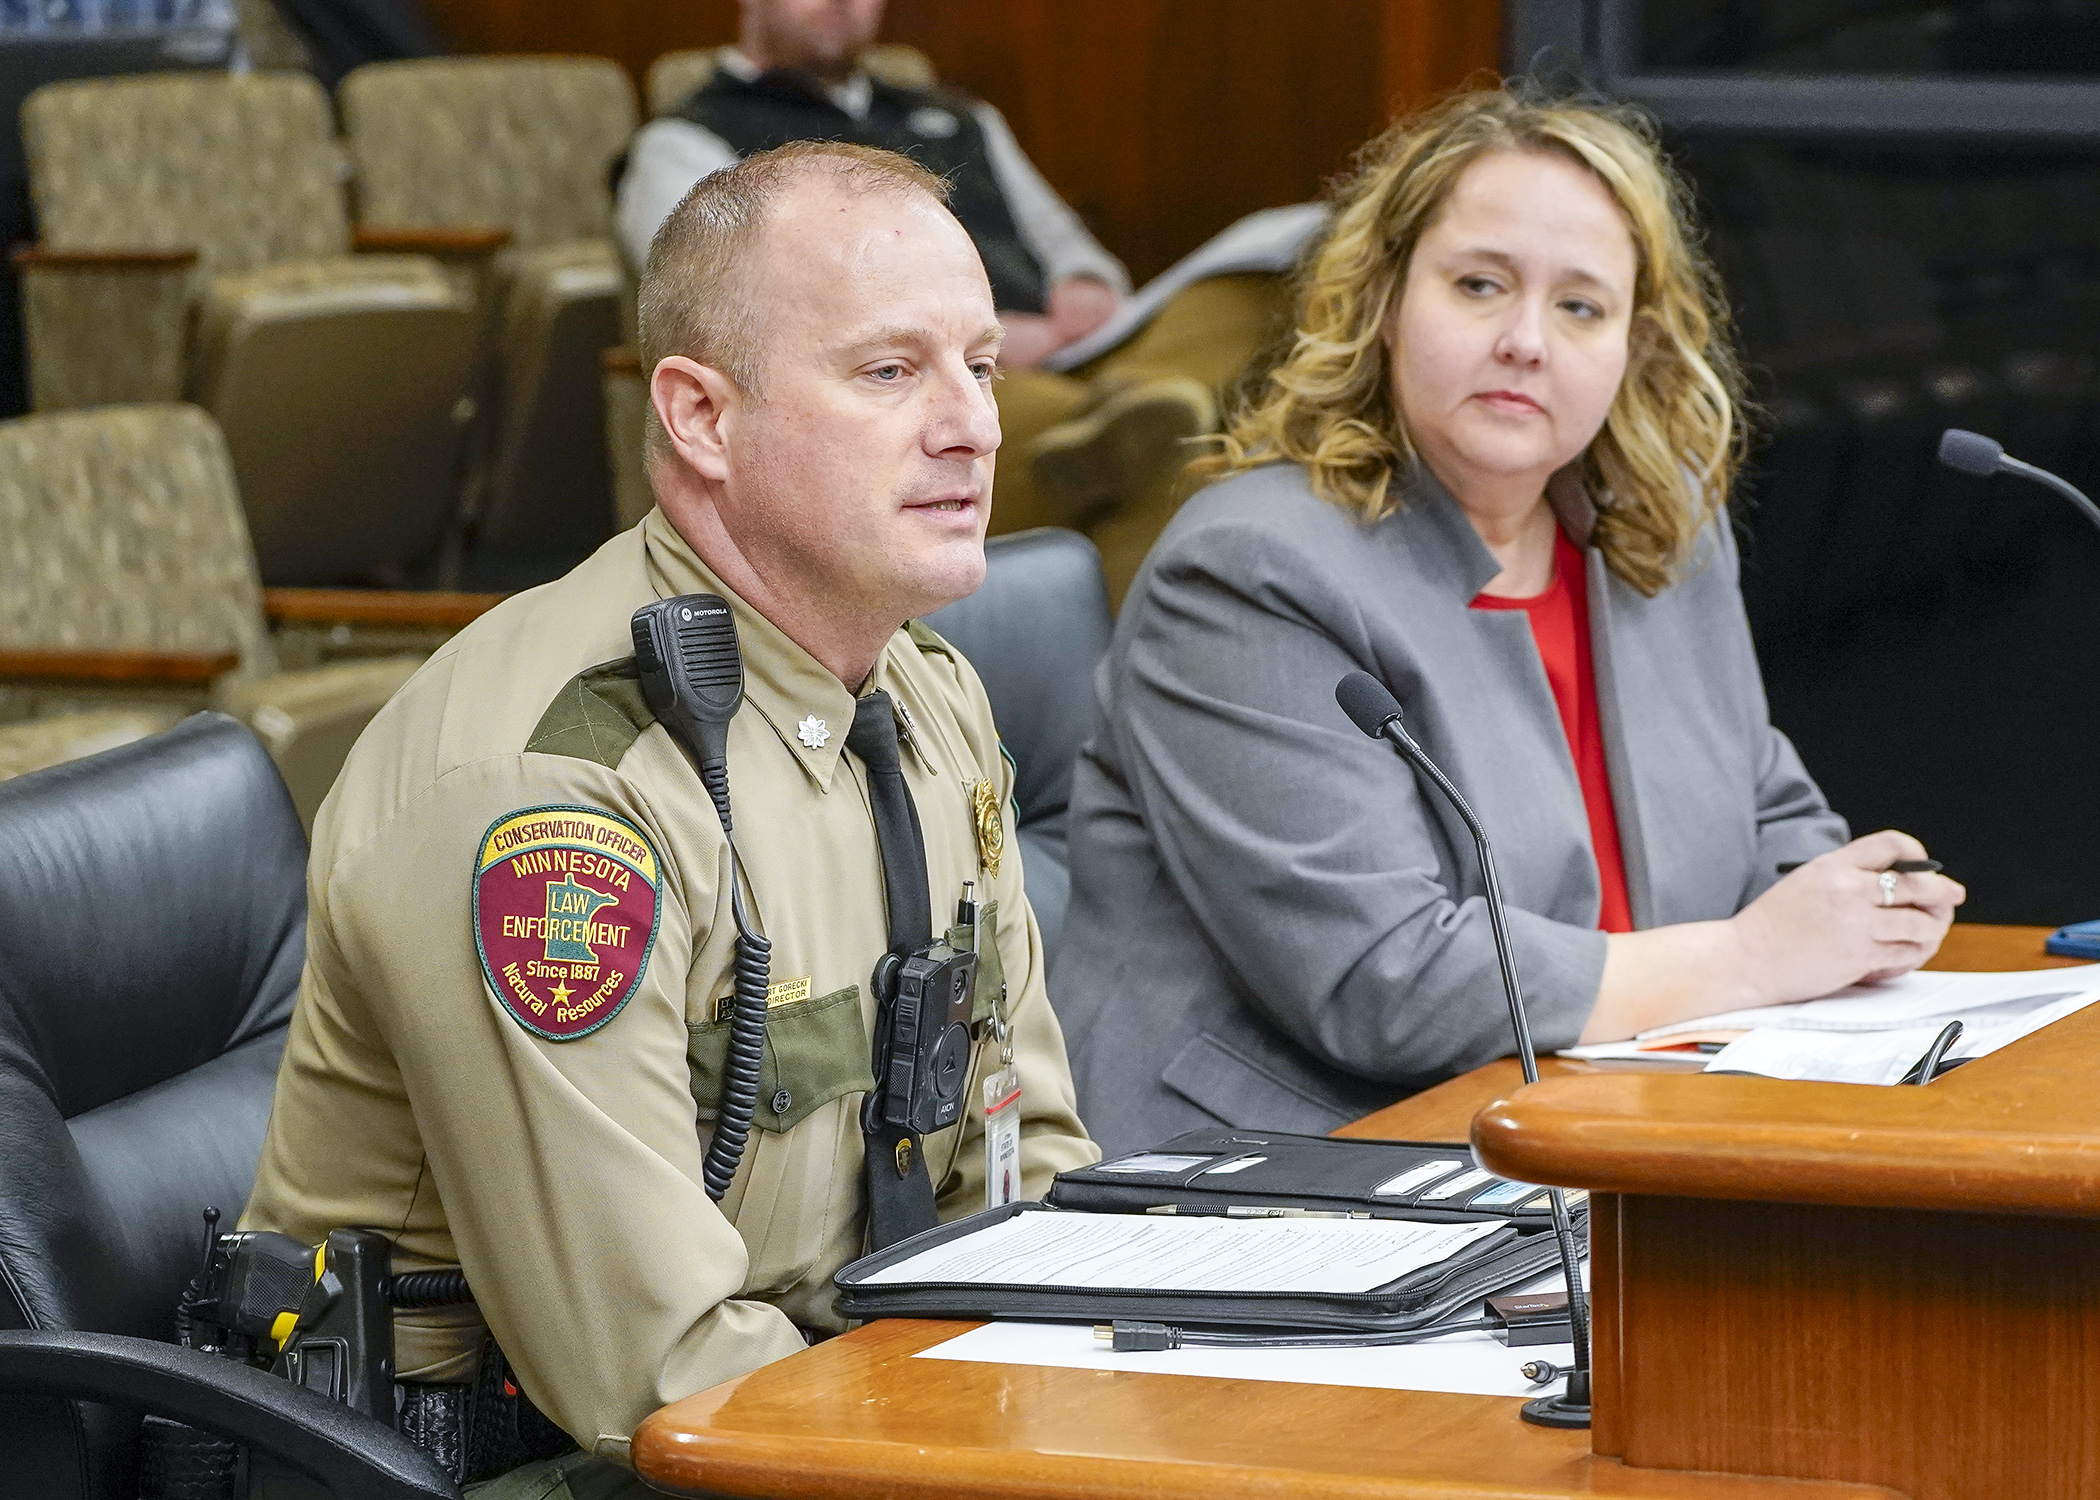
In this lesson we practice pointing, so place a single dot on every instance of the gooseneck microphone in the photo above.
(1372, 708)
(1973, 453)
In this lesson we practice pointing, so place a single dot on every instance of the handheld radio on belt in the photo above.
(692, 675)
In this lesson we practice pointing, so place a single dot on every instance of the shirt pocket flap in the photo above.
(817, 1050)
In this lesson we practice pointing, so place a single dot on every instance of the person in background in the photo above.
(1493, 473)
(1077, 445)
(795, 74)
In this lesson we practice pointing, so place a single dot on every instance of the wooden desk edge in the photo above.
(698, 1446)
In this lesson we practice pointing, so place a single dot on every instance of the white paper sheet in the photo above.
(1874, 1033)
(1915, 997)
(1881, 1057)
(1266, 240)
(1140, 1253)
(1470, 1364)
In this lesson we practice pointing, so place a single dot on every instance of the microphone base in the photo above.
(1556, 1411)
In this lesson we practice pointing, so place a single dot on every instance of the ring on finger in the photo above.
(1888, 887)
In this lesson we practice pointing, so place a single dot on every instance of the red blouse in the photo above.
(1560, 625)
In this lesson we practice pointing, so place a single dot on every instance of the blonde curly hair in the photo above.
(1658, 471)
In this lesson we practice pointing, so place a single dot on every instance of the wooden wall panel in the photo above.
(632, 31)
(1160, 121)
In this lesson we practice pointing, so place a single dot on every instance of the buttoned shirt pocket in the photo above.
(817, 1050)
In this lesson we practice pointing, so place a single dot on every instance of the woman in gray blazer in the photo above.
(1493, 473)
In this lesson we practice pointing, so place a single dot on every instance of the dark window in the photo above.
(2005, 38)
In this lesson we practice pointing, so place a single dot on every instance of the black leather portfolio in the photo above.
(1390, 1179)
(1225, 1179)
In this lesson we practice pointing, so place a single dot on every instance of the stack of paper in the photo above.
(1872, 1033)
(1135, 1253)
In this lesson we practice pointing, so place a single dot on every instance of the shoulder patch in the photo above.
(928, 640)
(597, 716)
(565, 911)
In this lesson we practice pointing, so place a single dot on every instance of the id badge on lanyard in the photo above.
(1002, 1137)
(1002, 1117)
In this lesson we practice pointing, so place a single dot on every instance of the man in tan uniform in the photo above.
(508, 1048)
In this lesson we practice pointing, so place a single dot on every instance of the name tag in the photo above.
(785, 992)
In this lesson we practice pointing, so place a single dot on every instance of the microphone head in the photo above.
(1367, 701)
(1970, 452)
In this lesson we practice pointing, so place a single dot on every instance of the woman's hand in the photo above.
(1819, 929)
(1031, 338)
(1078, 305)
(1826, 925)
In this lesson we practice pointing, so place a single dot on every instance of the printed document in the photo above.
(1913, 998)
(1134, 1252)
(1871, 1033)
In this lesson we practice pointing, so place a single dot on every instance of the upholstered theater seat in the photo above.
(1035, 632)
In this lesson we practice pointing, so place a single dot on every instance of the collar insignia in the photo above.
(813, 732)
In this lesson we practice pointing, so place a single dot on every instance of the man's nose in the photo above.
(965, 420)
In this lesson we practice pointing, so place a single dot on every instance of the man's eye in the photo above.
(985, 369)
(887, 372)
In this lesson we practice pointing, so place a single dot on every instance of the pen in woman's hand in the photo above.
(1900, 867)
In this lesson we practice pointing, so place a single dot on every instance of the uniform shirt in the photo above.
(565, 1176)
(670, 155)
(1560, 627)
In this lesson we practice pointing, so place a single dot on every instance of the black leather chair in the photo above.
(1035, 633)
(152, 929)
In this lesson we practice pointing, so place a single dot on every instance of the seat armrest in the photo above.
(119, 667)
(346, 1452)
(104, 326)
(414, 607)
(43, 257)
(450, 243)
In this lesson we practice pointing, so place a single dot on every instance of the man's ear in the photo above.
(694, 402)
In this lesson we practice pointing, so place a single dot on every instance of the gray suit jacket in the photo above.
(1270, 925)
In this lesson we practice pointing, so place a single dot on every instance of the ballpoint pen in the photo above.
(1249, 1211)
(1900, 867)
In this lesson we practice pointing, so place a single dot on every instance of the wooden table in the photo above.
(858, 1416)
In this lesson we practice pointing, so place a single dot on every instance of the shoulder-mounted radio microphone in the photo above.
(1973, 453)
(1372, 708)
(692, 674)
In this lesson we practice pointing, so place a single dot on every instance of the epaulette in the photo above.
(597, 716)
(928, 640)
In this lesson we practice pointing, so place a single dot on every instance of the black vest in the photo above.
(932, 126)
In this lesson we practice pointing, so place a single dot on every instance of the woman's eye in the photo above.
(1588, 312)
(1478, 286)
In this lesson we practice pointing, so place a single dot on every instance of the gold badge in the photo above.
(991, 832)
